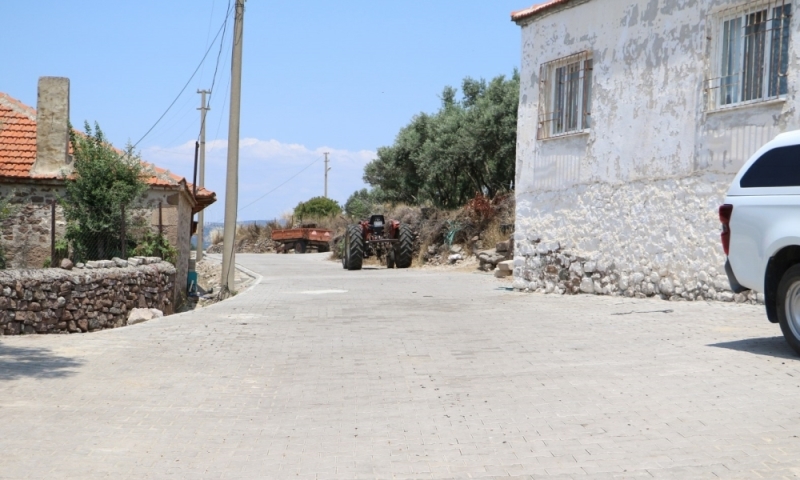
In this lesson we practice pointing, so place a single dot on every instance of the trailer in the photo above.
(303, 239)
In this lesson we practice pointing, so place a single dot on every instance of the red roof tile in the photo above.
(535, 9)
(18, 151)
(17, 137)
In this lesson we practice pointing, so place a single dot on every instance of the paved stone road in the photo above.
(321, 373)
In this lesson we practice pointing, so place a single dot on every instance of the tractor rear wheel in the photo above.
(353, 248)
(404, 248)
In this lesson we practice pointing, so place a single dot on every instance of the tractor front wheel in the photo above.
(390, 262)
(353, 248)
(404, 248)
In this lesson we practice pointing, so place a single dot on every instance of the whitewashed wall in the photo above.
(640, 190)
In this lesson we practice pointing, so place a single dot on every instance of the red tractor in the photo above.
(393, 241)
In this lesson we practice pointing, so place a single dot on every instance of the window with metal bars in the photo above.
(752, 53)
(565, 96)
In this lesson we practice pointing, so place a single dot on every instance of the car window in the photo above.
(779, 167)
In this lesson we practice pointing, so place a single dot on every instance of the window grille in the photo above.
(565, 96)
(750, 55)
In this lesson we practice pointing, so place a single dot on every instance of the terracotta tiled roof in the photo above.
(535, 9)
(18, 151)
(17, 137)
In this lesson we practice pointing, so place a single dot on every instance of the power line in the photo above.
(221, 28)
(282, 184)
(276, 188)
(222, 112)
(208, 34)
(216, 67)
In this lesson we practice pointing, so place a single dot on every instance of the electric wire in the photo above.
(224, 106)
(208, 35)
(216, 69)
(282, 184)
(274, 189)
(224, 23)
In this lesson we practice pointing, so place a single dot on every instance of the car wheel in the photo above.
(788, 306)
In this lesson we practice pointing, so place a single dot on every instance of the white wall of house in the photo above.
(639, 189)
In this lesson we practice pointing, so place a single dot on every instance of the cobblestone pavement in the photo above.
(321, 373)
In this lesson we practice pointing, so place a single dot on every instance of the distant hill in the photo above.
(211, 226)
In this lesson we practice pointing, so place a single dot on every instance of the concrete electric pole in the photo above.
(228, 280)
(203, 109)
(326, 174)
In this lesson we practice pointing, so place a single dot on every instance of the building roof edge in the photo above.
(530, 12)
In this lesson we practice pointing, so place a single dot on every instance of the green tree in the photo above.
(317, 207)
(362, 203)
(445, 158)
(102, 181)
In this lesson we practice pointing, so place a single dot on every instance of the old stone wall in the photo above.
(654, 238)
(176, 221)
(97, 296)
(26, 233)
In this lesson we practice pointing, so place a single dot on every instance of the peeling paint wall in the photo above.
(651, 132)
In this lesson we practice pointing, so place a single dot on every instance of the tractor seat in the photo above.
(376, 222)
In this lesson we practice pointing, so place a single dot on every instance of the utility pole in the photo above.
(228, 280)
(203, 109)
(326, 174)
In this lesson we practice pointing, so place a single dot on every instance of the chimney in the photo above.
(52, 120)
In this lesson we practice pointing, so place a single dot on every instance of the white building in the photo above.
(634, 117)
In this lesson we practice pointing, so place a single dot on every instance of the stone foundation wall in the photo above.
(26, 233)
(95, 297)
(640, 239)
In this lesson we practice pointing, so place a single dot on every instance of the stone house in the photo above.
(634, 117)
(35, 156)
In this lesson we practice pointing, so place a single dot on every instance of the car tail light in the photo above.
(725, 212)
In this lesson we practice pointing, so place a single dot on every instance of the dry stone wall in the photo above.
(96, 296)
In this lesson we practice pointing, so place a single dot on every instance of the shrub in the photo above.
(152, 244)
(216, 236)
(317, 207)
(103, 180)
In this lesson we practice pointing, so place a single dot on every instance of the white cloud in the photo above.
(263, 166)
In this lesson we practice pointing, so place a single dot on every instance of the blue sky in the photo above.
(318, 76)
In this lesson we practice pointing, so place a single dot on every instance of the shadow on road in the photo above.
(772, 346)
(17, 362)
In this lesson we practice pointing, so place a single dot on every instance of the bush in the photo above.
(216, 236)
(103, 180)
(154, 245)
(317, 207)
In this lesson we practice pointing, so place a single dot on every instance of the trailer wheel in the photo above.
(324, 248)
(353, 248)
(300, 247)
(404, 250)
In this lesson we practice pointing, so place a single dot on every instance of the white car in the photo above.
(761, 231)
